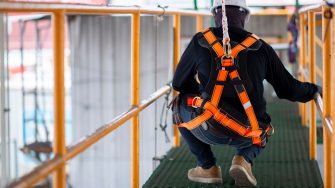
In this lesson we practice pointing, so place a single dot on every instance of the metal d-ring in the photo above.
(225, 57)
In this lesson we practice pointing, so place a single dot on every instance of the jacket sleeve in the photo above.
(285, 85)
(183, 79)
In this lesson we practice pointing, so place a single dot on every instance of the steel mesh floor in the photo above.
(284, 162)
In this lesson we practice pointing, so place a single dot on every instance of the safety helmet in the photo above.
(238, 3)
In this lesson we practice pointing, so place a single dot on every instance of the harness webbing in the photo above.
(211, 109)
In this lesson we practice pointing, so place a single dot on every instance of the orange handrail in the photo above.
(323, 105)
(176, 55)
(91, 9)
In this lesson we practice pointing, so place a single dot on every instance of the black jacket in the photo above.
(262, 64)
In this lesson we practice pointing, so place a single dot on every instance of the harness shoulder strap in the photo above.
(215, 44)
(234, 75)
(240, 88)
(211, 108)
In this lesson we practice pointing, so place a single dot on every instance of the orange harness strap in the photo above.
(211, 109)
(206, 115)
(224, 119)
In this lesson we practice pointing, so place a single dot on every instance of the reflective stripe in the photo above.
(246, 105)
(243, 97)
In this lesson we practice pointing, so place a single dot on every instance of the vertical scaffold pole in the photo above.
(333, 88)
(135, 99)
(200, 23)
(303, 66)
(301, 58)
(312, 73)
(58, 19)
(326, 84)
(176, 54)
(3, 127)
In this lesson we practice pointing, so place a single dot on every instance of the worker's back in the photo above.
(255, 65)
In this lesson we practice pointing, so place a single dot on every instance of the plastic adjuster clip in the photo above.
(194, 101)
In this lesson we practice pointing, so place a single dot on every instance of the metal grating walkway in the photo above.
(284, 162)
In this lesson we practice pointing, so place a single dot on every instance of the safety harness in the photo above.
(209, 106)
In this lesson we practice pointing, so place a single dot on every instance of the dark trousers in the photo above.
(200, 139)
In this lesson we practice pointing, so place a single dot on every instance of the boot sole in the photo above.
(241, 176)
(205, 180)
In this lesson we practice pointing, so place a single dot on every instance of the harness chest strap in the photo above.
(211, 109)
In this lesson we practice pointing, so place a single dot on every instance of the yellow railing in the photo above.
(63, 153)
(308, 72)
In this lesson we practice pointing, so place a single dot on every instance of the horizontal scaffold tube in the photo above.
(91, 9)
(328, 123)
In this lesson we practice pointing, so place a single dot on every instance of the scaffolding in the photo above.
(40, 145)
(63, 153)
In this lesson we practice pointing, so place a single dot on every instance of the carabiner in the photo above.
(227, 49)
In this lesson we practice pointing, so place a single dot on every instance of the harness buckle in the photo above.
(194, 102)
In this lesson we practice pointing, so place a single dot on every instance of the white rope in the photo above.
(225, 39)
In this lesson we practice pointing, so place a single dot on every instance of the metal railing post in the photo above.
(200, 23)
(312, 74)
(300, 62)
(176, 54)
(333, 89)
(303, 65)
(326, 84)
(58, 20)
(135, 99)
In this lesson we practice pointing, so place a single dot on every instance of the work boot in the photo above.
(211, 175)
(240, 171)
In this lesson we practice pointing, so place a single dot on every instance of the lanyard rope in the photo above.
(225, 39)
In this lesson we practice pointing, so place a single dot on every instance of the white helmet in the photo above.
(238, 3)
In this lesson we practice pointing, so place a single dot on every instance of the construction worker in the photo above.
(256, 62)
